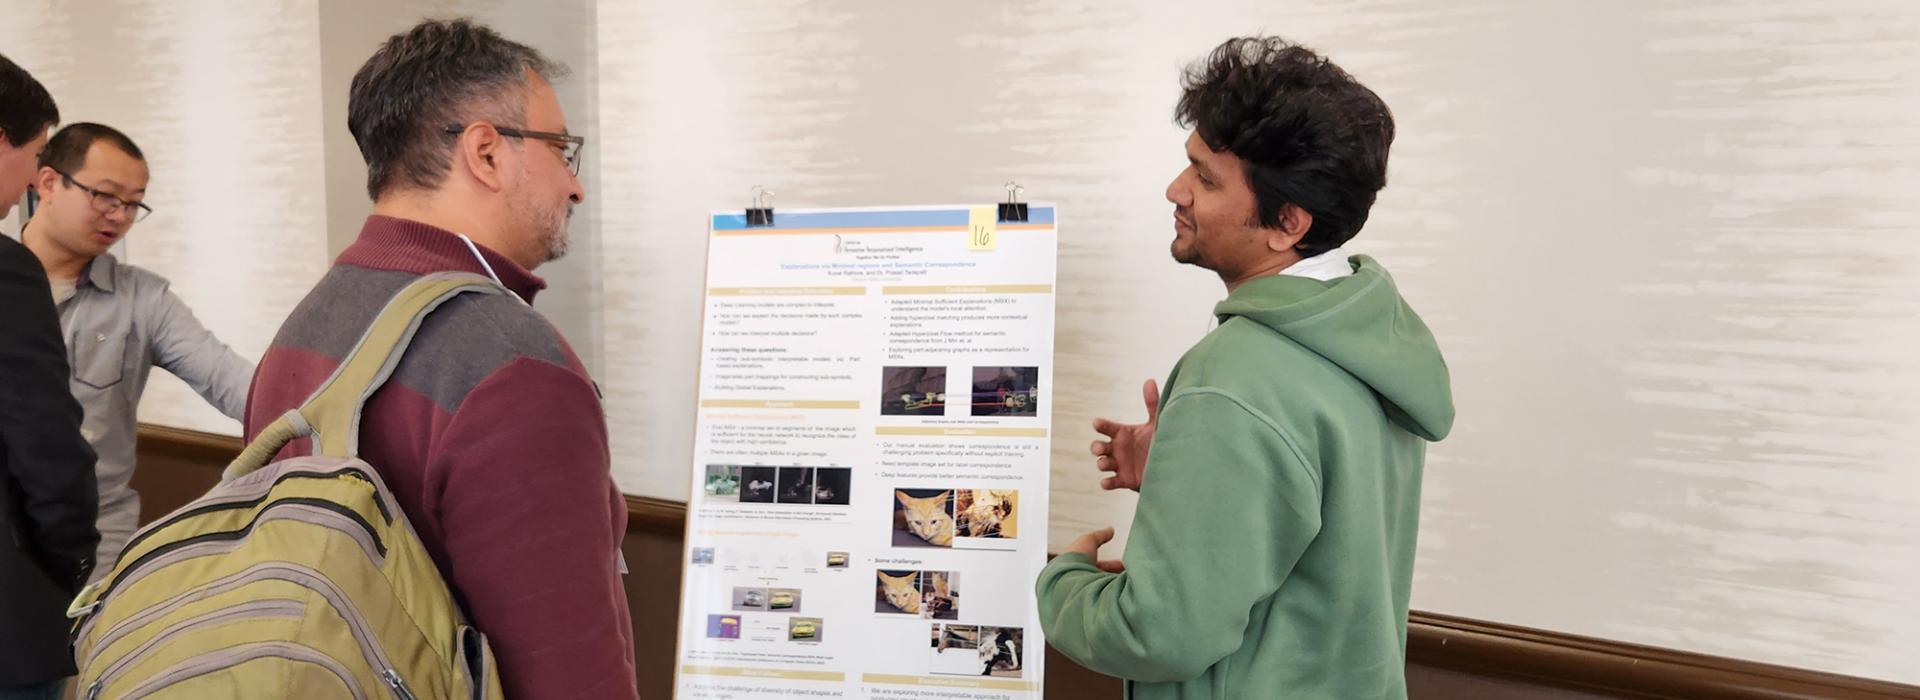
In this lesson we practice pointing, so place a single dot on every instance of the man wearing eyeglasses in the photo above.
(120, 321)
(489, 431)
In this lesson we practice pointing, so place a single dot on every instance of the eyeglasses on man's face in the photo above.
(570, 144)
(108, 204)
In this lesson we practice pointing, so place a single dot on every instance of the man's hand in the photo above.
(1124, 452)
(1089, 545)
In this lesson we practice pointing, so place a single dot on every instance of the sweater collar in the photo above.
(387, 243)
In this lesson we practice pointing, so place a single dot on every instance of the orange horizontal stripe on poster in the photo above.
(870, 231)
(781, 674)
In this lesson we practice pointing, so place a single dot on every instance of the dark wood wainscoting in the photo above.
(1447, 657)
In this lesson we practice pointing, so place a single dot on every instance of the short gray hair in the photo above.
(439, 73)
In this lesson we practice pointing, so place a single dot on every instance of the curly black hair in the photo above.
(1308, 132)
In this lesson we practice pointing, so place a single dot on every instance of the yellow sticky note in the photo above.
(981, 222)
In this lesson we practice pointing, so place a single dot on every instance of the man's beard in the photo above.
(555, 235)
(549, 227)
(1188, 254)
(1181, 255)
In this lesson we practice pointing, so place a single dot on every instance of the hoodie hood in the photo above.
(1361, 324)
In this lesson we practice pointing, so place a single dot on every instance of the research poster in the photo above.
(869, 501)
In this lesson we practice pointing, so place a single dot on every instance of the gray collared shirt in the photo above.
(120, 323)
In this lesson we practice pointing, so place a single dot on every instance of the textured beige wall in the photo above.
(1668, 247)
(241, 110)
(221, 97)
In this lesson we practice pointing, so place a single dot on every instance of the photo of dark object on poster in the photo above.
(795, 485)
(832, 486)
(757, 484)
(1006, 391)
(970, 650)
(913, 391)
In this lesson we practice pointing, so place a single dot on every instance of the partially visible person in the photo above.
(489, 432)
(1271, 553)
(27, 113)
(120, 321)
(47, 496)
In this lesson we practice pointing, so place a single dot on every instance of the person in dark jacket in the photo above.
(47, 491)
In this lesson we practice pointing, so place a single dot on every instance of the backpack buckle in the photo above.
(84, 604)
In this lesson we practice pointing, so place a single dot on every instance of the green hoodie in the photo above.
(1272, 549)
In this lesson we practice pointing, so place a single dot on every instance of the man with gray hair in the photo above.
(489, 432)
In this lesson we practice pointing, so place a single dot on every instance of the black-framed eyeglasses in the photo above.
(108, 204)
(570, 145)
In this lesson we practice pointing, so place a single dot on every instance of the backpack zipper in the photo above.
(310, 579)
(157, 526)
(126, 573)
(232, 657)
(253, 610)
(399, 687)
(245, 530)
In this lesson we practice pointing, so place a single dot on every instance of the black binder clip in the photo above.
(1013, 210)
(761, 213)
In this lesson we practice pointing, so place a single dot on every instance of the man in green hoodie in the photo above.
(1272, 548)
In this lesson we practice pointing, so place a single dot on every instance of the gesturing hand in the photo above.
(1124, 452)
(1089, 544)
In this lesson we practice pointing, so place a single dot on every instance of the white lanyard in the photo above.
(489, 268)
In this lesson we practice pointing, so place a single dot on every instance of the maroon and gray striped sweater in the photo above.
(491, 436)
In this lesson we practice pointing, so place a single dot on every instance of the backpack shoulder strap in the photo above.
(331, 416)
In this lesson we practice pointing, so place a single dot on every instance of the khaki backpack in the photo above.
(296, 579)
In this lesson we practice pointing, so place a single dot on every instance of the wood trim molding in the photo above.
(658, 516)
(644, 514)
(1549, 658)
(189, 445)
(1441, 641)
(1573, 661)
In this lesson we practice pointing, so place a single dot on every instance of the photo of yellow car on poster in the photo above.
(785, 600)
(804, 629)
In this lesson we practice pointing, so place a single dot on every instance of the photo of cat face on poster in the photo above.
(934, 595)
(898, 592)
(923, 518)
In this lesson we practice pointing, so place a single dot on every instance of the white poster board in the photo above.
(869, 502)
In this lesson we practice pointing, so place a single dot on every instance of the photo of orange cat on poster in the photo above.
(956, 518)
(933, 595)
(923, 518)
